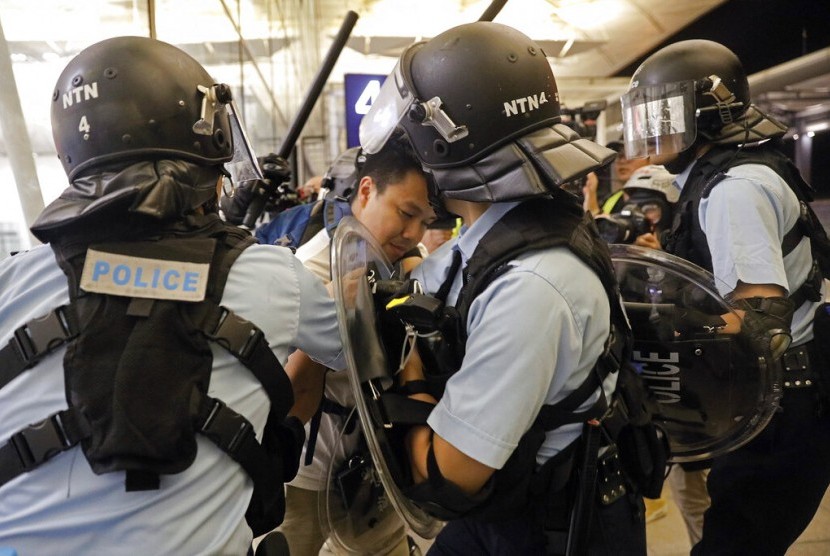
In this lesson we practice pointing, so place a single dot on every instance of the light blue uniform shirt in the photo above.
(533, 336)
(745, 219)
(62, 507)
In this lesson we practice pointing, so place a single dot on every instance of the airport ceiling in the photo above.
(593, 45)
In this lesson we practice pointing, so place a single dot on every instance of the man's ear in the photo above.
(364, 190)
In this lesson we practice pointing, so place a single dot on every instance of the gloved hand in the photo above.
(384, 291)
(690, 321)
(767, 323)
(249, 198)
(275, 169)
(235, 207)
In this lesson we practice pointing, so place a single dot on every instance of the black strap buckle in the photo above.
(226, 428)
(236, 334)
(610, 480)
(39, 336)
(798, 372)
(796, 359)
(41, 441)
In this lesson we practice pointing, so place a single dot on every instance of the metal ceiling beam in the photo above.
(254, 63)
(783, 76)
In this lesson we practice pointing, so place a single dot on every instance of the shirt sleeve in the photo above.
(318, 332)
(270, 287)
(742, 219)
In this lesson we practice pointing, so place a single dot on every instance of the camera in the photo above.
(625, 226)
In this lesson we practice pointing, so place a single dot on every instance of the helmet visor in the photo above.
(393, 101)
(244, 165)
(659, 119)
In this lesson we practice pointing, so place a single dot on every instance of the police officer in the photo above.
(739, 217)
(480, 105)
(142, 396)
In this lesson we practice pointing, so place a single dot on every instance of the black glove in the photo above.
(384, 291)
(236, 206)
(277, 173)
(291, 435)
(275, 169)
(250, 198)
(690, 321)
(767, 323)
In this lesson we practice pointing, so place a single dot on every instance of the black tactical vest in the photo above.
(534, 225)
(686, 238)
(137, 365)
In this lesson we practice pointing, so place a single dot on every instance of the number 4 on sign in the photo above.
(367, 97)
(83, 125)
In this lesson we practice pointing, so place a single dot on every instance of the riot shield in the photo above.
(715, 391)
(354, 507)
(358, 265)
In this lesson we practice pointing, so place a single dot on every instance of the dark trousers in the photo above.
(766, 493)
(617, 529)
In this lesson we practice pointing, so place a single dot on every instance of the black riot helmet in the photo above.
(138, 98)
(687, 88)
(463, 94)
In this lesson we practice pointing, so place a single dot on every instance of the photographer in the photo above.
(649, 195)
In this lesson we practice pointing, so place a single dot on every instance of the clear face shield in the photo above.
(244, 166)
(395, 100)
(659, 119)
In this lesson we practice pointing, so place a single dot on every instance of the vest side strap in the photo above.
(34, 445)
(34, 340)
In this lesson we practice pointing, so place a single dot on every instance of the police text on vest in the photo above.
(124, 275)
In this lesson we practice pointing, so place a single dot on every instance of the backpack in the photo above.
(119, 345)
(297, 225)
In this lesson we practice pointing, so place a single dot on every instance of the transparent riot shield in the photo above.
(355, 507)
(715, 390)
(358, 264)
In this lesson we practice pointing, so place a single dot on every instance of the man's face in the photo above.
(399, 216)
(624, 167)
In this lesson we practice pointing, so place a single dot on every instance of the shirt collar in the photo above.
(469, 237)
(681, 178)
